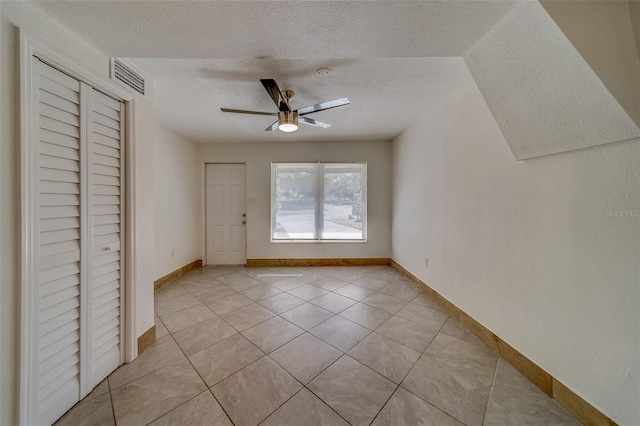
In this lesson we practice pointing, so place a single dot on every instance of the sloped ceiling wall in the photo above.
(542, 93)
(634, 10)
(601, 31)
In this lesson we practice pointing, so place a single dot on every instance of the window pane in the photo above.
(295, 214)
(344, 207)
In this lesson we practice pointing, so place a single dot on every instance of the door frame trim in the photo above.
(31, 46)
(204, 208)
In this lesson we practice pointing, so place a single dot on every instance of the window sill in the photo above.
(316, 241)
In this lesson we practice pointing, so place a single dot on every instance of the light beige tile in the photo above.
(221, 360)
(216, 271)
(386, 303)
(387, 274)
(385, 356)
(306, 316)
(261, 292)
(172, 304)
(226, 304)
(307, 292)
(409, 333)
(212, 292)
(200, 336)
(510, 407)
(423, 315)
(406, 409)
(304, 409)
(193, 315)
(356, 392)
(281, 303)
(272, 334)
(371, 283)
(100, 389)
(288, 283)
(203, 410)
(244, 318)
(333, 302)
(354, 292)
(424, 300)
(155, 394)
(340, 333)
(238, 282)
(455, 329)
(329, 283)
(161, 353)
(169, 292)
(262, 386)
(305, 357)
(161, 330)
(366, 316)
(508, 377)
(96, 411)
(474, 360)
(402, 289)
(460, 395)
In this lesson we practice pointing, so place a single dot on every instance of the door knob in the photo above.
(244, 215)
(244, 222)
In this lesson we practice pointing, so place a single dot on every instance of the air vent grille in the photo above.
(127, 76)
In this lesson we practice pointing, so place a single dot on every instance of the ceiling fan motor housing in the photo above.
(288, 121)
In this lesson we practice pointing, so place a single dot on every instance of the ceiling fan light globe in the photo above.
(288, 127)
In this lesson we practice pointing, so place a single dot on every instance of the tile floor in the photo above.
(311, 346)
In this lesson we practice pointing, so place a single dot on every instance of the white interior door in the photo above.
(72, 335)
(104, 163)
(225, 211)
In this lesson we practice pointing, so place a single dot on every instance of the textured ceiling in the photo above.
(386, 95)
(279, 29)
(392, 59)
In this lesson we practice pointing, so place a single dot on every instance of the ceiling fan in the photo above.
(288, 118)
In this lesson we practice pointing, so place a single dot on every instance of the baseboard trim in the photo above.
(365, 261)
(161, 282)
(146, 339)
(569, 400)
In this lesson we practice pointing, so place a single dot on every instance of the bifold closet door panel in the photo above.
(104, 161)
(57, 243)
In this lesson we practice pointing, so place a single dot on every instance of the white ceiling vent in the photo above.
(126, 76)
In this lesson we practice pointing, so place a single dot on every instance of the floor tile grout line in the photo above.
(493, 382)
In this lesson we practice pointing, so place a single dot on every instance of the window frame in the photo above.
(319, 168)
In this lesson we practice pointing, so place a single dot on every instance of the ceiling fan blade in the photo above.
(323, 105)
(273, 90)
(312, 122)
(272, 128)
(244, 111)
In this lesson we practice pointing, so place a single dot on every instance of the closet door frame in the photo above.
(31, 46)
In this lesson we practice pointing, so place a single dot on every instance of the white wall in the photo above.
(178, 193)
(528, 249)
(258, 158)
(25, 15)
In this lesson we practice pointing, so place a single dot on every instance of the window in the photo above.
(318, 201)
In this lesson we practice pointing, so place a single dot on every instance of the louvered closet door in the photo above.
(57, 231)
(105, 200)
(75, 325)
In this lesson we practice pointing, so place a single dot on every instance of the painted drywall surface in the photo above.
(258, 158)
(144, 213)
(602, 33)
(634, 11)
(544, 252)
(25, 15)
(543, 94)
(178, 190)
